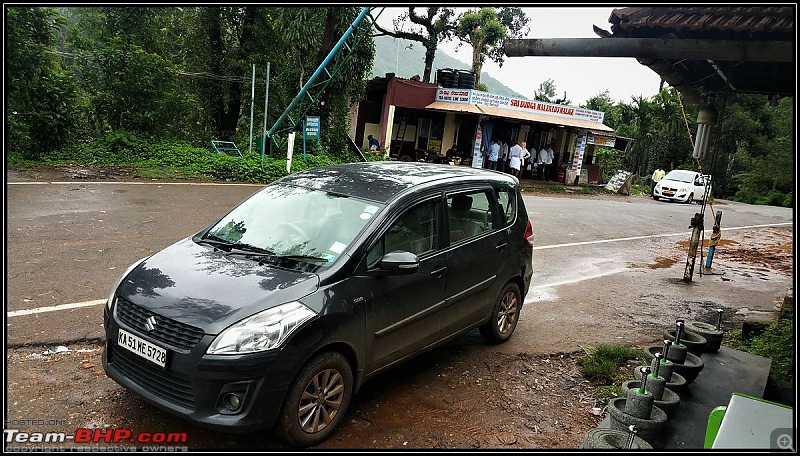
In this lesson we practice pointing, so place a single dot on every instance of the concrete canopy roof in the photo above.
(697, 50)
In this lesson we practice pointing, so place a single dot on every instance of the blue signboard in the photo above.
(312, 127)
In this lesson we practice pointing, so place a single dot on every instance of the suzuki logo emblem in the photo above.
(150, 323)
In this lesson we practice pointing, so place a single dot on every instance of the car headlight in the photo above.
(110, 300)
(262, 331)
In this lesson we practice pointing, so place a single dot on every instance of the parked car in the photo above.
(275, 314)
(684, 186)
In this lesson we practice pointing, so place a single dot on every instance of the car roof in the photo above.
(383, 180)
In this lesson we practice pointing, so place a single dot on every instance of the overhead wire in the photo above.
(196, 74)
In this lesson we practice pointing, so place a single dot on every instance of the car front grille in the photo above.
(164, 384)
(165, 330)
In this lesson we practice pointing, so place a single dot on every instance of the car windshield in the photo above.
(295, 222)
(680, 176)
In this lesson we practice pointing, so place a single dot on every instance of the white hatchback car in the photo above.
(683, 186)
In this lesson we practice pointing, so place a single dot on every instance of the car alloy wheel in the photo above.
(317, 400)
(504, 316)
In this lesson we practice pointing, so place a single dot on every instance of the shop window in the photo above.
(431, 131)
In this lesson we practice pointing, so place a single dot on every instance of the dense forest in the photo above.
(132, 85)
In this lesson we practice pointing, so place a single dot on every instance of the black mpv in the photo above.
(275, 314)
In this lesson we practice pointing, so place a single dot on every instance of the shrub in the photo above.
(776, 343)
(603, 362)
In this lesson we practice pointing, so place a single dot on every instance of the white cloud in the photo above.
(581, 77)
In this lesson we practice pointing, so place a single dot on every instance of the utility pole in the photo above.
(252, 105)
(266, 99)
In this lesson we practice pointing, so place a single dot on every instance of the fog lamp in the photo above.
(232, 402)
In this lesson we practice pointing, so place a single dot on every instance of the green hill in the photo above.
(407, 58)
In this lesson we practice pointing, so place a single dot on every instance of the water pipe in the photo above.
(715, 237)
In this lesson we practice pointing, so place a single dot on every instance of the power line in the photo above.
(205, 75)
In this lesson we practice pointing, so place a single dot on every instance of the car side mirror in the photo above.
(399, 262)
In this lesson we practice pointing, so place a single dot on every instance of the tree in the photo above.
(435, 26)
(486, 30)
(349, 85)
(600, 102)
(671, 144)
(128, 62)
(134, 89)
(546, 91)
(756, 147)
(40, 91)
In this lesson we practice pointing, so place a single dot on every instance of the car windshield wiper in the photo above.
(229, 247)
(270, 256)
(304, 258)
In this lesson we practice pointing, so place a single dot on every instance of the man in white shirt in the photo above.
(515, 158)
(541, 158)
(548, 163)
(503, 156)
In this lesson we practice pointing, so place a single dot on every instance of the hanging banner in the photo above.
(580, 146)
(477, 156)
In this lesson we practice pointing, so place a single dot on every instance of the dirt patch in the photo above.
(775, 251)
(441, 400)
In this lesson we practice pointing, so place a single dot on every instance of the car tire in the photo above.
(690, 198)
(505, 315)
(655, 197)
(316, 401)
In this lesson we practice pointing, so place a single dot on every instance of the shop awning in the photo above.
(456, 107)
(519, 115)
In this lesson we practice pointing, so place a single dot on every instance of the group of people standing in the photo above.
(516, 157)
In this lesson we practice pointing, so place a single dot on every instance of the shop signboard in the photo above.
(492, 100)
(604, 141)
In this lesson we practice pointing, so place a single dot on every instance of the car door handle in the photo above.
(438, 271)
(501, 246)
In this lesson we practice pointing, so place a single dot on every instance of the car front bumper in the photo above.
(671, 194)
(197, 386)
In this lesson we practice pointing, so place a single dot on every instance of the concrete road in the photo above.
(67, 242)
(608, 269)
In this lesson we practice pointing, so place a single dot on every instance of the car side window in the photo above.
(415, 231)
(508, 204)
(469, 214)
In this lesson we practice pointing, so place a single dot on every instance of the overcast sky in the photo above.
(581, 77)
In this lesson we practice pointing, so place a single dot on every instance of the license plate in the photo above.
(668, 192)
(143, 348)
